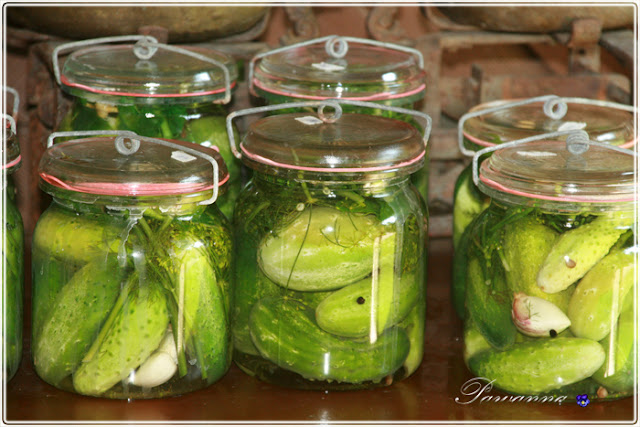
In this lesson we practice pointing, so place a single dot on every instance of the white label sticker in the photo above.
(323, 66)
(181, 156)
(572, 126)
(536, 154)
(309, 120)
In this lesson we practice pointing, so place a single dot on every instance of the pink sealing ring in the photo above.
(132, 189)
(66, 82)
(375, 97)
(264, 160)
(13, 162)
(495, 185)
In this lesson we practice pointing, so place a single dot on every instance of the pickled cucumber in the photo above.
(285, 333)
(133, 332)
(74, 238)
(414, 325)
(526, 244)
(617, 371)
(206, 329)
(577, 250)
(539, 366)
(474, 342)
(468, 203)
(599, 296)
(321, 249)
(74, 320)
(488, 303)
(348, 312)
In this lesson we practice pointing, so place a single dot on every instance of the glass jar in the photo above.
(330, 263)
(498, 122)
(154, 90)
(131, 268)
(502, 121)
(13, 253)
(550, 270)
(335, 67)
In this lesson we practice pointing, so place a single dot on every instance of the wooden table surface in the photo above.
(431, 394)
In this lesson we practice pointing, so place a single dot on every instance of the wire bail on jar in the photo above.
(336, 47)
(554, 107)
(577, 142)
(145, 48)
(16, 100)
(333, 103)
(12, 122)
(128, 143)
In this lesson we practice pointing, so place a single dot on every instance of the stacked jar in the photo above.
(498, 122)
(329, 237)
(131, 267)
(152, 89)
(348, 68)
(549, 268)
(12, 252)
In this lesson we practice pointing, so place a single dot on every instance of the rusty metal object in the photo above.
(251, 34)
(305, 25)
(621, 45)
(184, 23)
(492, 87)
(441, 22)
(537, 19)
(382, 25)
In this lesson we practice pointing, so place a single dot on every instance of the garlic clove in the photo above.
(156, 370)
(537, 317)
(160, 366)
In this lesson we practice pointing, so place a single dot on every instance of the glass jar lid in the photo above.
(121, 168)
(553, 175)
(10, 146)
(167, 76)
(367, 71)
(603, 123)
(354, 144)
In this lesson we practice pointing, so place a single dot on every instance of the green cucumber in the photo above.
(284, 332)
(617, 371)
(250, 286)
(321, 249)
(132, 332)
(72, 323)
(488, 302)
(576, 251)
(414, 325)
(349, 312)
(599, 296)
(474, 342)
(73, 237)
(468, 203)
(459, 273)
(206, 327)
(13, 262)
(539, 366)
(526, 243)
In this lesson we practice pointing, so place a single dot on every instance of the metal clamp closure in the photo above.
(332, 103)
(336, 47)
(577, 141)
(554, 107)
(144, 49)
(128, 143)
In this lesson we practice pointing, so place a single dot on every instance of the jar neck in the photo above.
(105, 104)
(323, 189)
